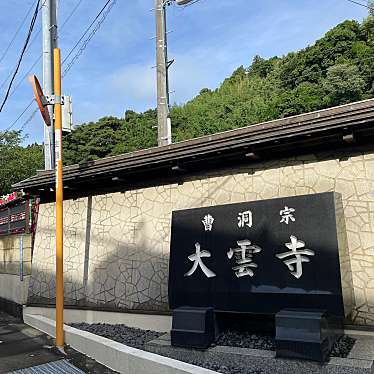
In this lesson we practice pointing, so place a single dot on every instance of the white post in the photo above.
(49, 27)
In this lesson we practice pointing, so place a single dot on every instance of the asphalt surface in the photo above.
(22, 347)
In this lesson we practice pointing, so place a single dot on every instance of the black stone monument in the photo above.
(261, 257)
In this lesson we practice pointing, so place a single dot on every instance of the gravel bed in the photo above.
(137, 338)
(130, 336)
(247, 340)
(224, 368)
(341, 348)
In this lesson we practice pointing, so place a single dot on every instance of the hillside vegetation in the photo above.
(337, 69)
(17, 162)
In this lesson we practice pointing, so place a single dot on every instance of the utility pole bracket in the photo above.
(53, 99)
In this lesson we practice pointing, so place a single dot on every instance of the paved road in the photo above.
(22, 346)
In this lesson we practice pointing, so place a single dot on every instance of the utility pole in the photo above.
(162, 67)
(163, 119)
(49, 27)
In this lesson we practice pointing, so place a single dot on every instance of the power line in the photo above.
(192, 3)
(87, 29)
(103, 14)
(25, 75)
(41, 55)
(32, 24)
(17, 32)
(36, 34)
(5, 81)
(67, 19)
(19, 117)
(360, 4)
(28, 120)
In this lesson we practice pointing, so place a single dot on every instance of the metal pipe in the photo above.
(59, 203)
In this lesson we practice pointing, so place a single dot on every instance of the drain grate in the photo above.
(58, 367)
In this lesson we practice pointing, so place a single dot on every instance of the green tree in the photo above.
(371, 8)
(17, 162)
(343, 84)
(338, 68)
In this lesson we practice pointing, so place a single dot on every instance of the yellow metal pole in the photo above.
(59, 202)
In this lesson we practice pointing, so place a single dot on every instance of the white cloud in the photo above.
(134, 84)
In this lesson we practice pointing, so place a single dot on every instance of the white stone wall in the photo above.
(127, 245)
(13, 285)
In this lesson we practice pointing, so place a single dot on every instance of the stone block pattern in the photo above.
(117, 245)
(42, 283)
(10, 254)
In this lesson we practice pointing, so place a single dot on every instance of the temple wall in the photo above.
(15, 270)
(117, 245)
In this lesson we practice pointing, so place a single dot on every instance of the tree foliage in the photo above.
(17, 162)
(337, 69)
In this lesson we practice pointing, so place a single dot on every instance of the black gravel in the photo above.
(247, 340)
(342, 347)
(130, 336)
(224, 368)
(137, 338)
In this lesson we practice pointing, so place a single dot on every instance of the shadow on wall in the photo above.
(129, 276)
(118, 276)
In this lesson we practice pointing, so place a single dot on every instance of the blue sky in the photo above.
(208, 40)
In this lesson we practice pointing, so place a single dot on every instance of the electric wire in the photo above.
(36, 34)
(109, 5)
(19, 117)
(41, 55)
(32, 24)
(5, 81)
(67, 19)
(28, 120)
(103, 14)
(360, 4)
(86, 31)
(17, 32)
(192, 3)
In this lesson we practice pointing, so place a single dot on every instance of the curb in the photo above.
(114, 355)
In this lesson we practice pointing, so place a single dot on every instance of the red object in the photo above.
(40, 99)
(8, 198)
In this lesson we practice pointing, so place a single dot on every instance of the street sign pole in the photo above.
(59, 201)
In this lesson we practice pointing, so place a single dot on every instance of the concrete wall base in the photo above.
(116, 356)
(160, 323)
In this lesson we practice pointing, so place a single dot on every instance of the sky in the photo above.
(115, 72)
